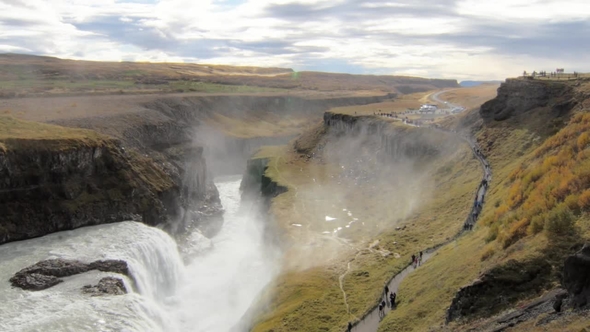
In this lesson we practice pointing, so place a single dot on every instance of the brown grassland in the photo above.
(24, 75)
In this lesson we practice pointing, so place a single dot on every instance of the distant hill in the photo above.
(28, 75)
(467, 84)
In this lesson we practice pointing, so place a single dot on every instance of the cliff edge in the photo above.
(55, 179)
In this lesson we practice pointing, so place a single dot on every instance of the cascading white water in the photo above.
(210, 294)
(221, 285)
(153, 260)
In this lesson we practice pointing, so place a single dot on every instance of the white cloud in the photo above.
(452, 38)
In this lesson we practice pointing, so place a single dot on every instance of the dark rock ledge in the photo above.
(47, 273)
(106, 285)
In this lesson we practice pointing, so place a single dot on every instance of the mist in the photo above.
(362, 179)
(222, 282)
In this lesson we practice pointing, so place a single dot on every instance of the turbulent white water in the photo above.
(210, 294)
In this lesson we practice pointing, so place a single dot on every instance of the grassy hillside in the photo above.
(536, 214)
(364, 256)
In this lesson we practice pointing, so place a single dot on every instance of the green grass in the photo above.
(21, 134)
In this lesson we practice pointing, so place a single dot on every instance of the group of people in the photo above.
(478, 202)
(543, 73)
(388, 300)
(389, 115)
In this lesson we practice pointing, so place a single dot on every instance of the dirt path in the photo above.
(370, 322)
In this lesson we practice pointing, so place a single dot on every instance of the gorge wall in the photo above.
(157, 165)
(56, 185)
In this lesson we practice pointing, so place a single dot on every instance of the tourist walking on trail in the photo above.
(349, 327)
(413, 259)
(420, 261)
(380, 311)
(392, 299)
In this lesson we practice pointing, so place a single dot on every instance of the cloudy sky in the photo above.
(462, 39)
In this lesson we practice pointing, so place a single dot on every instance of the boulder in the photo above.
(34, 281)
(47, 273)
(111, 265)
(576, 276)
(106, 286)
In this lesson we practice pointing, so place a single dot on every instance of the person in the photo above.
(349, 327)
(380, 310)
(413, 258)
(420, 257)
(386, 290)
(383, 306)
(392, 299)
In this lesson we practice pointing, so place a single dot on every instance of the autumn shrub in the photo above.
(572, 202)
(583, 141)
(584, 200)
(517, 231)
(548, 189)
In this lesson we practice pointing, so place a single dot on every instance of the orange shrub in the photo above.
(501, 210)
(517, 231)
(584, 200)
(515, 195)
(548, 190)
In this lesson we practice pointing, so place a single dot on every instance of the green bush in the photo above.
(560, 221)
(537, 224)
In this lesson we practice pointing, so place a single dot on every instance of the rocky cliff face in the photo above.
(576, 277)
(46, 188)
(256, 184)
(405, 142)
(497, 288)
(518, 97)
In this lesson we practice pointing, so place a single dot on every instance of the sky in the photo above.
(459, 39)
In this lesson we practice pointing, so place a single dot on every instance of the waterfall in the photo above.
(210, 294)
(153, 260)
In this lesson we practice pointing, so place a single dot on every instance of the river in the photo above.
(209, 294)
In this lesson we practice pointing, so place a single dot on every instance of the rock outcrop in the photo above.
(518, 97)
(106, 286)
(60, 184)
(47, 273)
(497, 288)
(396, 142)
(576, 277)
